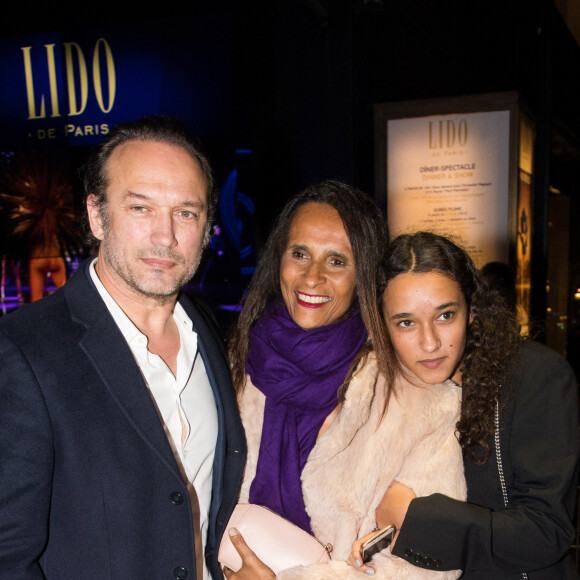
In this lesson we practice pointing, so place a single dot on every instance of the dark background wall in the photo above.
(297, 78)
(294, 82)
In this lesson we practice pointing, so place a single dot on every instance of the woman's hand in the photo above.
(393, 507)
(355, 558)
(252, 567)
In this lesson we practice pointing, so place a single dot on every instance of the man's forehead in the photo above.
(138, 148)
(144, 158)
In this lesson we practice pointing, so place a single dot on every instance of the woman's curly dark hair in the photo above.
(492, 335)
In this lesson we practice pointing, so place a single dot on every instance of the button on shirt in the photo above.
(185, 402)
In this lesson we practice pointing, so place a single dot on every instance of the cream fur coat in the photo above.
(355, 461)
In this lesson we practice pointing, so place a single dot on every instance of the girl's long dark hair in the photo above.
(492, 336)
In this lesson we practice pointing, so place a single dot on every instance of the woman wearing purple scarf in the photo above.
(308, 312)
(312, 367)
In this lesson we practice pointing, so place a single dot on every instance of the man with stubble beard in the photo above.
(122, 450)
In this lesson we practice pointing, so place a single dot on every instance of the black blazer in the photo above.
(539, 447)
(89, 486)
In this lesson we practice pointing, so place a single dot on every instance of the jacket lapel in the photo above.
(114, 363)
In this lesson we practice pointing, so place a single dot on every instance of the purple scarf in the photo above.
(300, 372)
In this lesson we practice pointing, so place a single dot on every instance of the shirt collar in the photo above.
(132, 334)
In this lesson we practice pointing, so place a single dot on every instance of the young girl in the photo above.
(518, 426)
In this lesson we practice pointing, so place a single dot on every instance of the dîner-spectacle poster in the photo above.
(450, 174)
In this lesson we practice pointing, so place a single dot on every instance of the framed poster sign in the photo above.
(450, 166)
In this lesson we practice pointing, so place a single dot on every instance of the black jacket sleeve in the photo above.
(540, 447)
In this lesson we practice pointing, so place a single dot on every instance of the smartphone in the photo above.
(378, 542)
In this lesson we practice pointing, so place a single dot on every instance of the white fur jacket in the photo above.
(355, 461)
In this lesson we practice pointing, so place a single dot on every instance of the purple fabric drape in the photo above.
(300, 372)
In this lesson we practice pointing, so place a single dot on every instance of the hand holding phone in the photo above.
(381, 540)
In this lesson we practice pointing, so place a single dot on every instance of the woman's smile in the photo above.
(311, 301)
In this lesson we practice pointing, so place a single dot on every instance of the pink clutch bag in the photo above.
(276, 541)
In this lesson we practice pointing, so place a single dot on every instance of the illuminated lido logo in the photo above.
(102, 80)
(447, 134)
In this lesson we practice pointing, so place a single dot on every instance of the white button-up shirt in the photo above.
(185, 402)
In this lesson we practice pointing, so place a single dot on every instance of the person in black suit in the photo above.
(122, 449)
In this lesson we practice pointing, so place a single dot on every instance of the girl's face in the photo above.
(427, 317)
